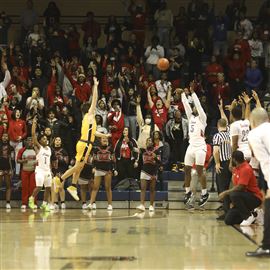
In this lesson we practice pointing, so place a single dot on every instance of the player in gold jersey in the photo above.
(84, 145)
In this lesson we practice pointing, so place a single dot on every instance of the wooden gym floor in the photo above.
(77, 239)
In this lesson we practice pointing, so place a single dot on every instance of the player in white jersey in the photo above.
(196, 151)
(43, 174)
(259, 141)
(239, 131)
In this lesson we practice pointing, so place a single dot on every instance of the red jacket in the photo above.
(51, 91)
(222, 90)
(243, 47)
(118, 126)
(82, 91)
(236, 69)
(16, 128)
(91, 29)
(213, 68)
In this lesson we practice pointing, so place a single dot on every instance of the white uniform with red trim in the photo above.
(43, 169)
(196, 151)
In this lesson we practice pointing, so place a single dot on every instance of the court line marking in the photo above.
(246, 235)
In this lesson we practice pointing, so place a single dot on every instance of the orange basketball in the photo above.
(163, 64)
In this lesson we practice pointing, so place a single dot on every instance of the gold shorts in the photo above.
(83, 150)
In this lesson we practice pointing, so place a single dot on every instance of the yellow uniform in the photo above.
(85, 144)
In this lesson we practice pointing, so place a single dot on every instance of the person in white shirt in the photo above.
(162, 86)
(153, 53)
(259, 141)
(5, 82)
(43, 173)
(256, 46)
(196, 151)
(239, 131)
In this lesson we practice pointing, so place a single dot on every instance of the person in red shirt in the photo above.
(160, 109)
(221, 89)
(127, 155)
(236, 73)
(116, 121)
(138, 18)
(212, 71)
(17, 131)
(245, 196)
(243, 47)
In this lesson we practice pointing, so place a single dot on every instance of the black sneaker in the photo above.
(203, 200)
(187, 197)
(259, 252)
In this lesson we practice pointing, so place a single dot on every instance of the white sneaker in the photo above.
(141, 207)
(8, 206)
(23, 208)
(63, 206)
(248, 221)
(94, 206)
(56, 206)
(151, 208)
(109, 208)
(260, 216)
(52, 207)
(84, 206)
(89, 206)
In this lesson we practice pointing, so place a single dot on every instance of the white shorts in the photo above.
(43, 178)
(100, 173)
(146, 176)
(195, 155)
(83, 181)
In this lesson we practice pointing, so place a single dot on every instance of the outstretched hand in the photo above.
(96, 82)
(246, 98)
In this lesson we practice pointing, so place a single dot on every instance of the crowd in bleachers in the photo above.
(47, 72)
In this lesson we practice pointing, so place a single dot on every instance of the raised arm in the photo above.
(256, 98)
(150, 101)
(168, 99)
(247, 100)
(7, 77)
(198, 105)
(33, 133)
(92, 108)
(139, 112)
(186, 104)
(222, 113)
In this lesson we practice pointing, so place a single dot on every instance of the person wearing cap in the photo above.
(116, 121)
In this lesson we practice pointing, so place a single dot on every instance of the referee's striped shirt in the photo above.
(222, 139)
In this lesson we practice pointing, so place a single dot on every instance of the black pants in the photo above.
(125, 169)
(243, 204)
(223, 179)
(266, 228)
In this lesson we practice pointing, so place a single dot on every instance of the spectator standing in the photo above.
(52, 15)
(27, 158)
(17, 131)
(28, 19)
(153, 53)
(91, 29)
(127, 155)
(5, 23)
(116, 121)
(220, 29)
(6, 156)
(244, 25)
(112, 29)
(4, 84)
(256, 46)
(177, 133)
(181, 25)
(254, 77)
(164, 23)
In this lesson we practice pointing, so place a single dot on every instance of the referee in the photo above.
(222, 155)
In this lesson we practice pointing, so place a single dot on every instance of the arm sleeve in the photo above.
(6, 79)
(186, 105)
(216, 140)
(199, 108)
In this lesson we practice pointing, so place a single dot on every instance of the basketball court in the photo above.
(168, 239)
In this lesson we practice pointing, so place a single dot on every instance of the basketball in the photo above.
(163, 64)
